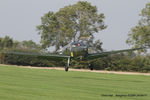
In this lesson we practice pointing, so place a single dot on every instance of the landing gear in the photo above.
(68, 64)
(66, 69)
(91, 66)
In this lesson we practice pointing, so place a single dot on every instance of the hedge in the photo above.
(116, 62)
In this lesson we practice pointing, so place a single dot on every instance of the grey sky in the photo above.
(19, 18)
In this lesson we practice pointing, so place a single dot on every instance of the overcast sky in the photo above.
(19, 18)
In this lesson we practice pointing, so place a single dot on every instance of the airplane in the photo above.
(77, 50)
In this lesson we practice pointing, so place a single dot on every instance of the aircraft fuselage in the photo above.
(79, 51)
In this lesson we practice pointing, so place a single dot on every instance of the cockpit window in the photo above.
(73, 45)
(79, 43)
(85, 42)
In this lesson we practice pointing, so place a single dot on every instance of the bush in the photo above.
(2, 57)
(117, 62)
(32, 60)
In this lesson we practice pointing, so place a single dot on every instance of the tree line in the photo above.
(8, 43)
(115, 62)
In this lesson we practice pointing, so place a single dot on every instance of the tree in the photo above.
(26, 45)
(6, 42)
(69, 24)
(10, 44)
(139, 35)
(29, 45)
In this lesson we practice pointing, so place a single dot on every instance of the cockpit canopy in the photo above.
(79, 43)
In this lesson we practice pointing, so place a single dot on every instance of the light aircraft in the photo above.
(77, 50)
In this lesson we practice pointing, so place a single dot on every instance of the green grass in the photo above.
(43, 84)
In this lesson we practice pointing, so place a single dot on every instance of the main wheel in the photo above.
(91, 67)
(66, 69)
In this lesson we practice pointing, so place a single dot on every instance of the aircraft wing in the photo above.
(104, 54)
(48, 55)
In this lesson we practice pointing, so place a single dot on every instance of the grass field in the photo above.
(18, 83)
